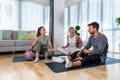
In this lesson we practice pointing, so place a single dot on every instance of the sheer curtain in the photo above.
(8, 14)
(34, 15)
(116, 29)
(104, 12)
(83, 20)
(66, 25)
(31, 16)
(23, 15)
(46, 18)
(73, 15)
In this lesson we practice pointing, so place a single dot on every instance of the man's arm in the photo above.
(88, 45)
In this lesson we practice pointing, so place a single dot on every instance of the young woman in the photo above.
(41, 43)
(71, 46)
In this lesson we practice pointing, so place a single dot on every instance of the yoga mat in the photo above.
(60, 67)
(22, 58)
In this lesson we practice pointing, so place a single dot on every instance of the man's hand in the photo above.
(78, 54)
(87, 51)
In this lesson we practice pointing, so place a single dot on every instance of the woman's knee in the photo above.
(62, 50)
(59, 49)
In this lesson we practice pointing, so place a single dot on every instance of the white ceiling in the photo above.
(46, 2)
(71, 2)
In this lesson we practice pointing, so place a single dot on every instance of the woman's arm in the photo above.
(66, 44)
(80, 41)
(49, 42)
(50, 45)
(33, 44)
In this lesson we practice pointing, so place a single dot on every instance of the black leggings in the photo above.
(87, 59)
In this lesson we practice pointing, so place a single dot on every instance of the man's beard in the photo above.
(91, 33)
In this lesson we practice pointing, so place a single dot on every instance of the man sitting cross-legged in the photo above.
(97, 55)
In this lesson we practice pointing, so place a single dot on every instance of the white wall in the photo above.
(58, 23)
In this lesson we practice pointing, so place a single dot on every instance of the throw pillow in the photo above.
(7, 34)
(30, 36)
(0, 35)
(22, 35)
(14, 35)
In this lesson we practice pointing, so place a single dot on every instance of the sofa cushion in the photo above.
(7, 34)
(30, 36)
(23, 42)
(1, 35)
(14, 35)
(22, 35)
(6, 43)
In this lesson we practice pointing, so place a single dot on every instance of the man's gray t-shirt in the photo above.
(100, 45)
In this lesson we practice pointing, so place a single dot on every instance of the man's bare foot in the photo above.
(68, 63)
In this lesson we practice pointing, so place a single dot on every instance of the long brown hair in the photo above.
(38, 31)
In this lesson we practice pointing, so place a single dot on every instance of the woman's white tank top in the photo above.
(72, 41)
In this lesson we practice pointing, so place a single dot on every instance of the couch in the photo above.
(11, 40)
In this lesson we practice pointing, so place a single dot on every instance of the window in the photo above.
(31, 16)
(34, 15)
(104, 12)
(0, 9)
(23, 15)
(66, 26)
(8, 10)
(116, 40)
(0, 12)
(9, 15)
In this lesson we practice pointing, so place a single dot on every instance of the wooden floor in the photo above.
(39, 71)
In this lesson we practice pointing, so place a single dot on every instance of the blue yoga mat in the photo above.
(22, 58)
(60, 67)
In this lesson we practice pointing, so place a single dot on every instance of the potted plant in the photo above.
(77, 28)
(118, 21)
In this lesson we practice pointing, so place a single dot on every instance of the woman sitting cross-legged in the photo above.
(41, 43)
(71, 46)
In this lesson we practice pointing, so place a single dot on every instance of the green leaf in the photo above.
(118, 21)
(77, 27)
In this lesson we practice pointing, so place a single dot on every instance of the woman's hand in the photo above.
(50, 51)
(29, 49)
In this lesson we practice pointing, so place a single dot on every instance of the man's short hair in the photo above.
(95, 25)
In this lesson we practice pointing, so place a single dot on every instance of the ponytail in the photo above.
(38, 31)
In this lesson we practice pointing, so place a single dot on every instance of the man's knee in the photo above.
(74, 55)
